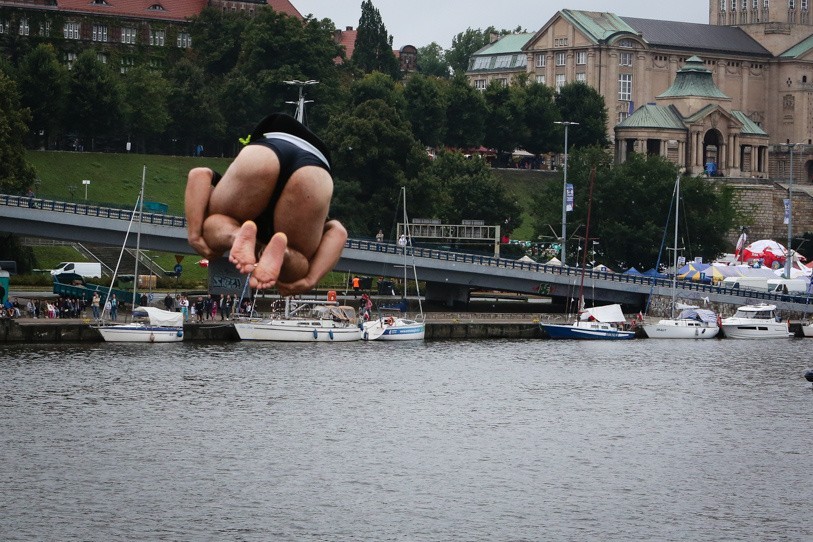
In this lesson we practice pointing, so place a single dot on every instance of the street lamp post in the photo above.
(566, 124)
(788, 256)
(86, 183)
(300, 103)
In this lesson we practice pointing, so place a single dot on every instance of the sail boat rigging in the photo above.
(397, 328)
(692, 322)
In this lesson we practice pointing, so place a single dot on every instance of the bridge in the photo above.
(449, 276)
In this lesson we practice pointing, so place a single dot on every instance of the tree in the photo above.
(217, 37)
(377, 86)
(43, 82)
(145, 105)
(466, 44)
(506, 125)
(196, 116)
(540, 114)
(578, 102)
(631, 208)
(432, 61)
(373, 50)
(95, 95)
(374, 154)
(465, 114)
(16, 175)
(426, 108)
(469, 191)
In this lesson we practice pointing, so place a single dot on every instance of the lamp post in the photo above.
(788, 256)
(86, 183)
(566, 124)
(300, 103)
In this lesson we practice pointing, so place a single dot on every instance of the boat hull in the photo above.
(296, 331)
(126, 333)
(401, 330)
(678, 329)
(807, 330)
(756, 330)
(570, 331)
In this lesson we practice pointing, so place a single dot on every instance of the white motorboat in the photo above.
(595, 323)
(394, 328)
(149, 325)
(755, 322)
(304, 321)
(691, 323)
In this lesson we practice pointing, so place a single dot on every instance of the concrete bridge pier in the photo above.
(450, 295)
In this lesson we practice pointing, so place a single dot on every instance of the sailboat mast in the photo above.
(674, 275)
(586, 236)
(138, 235)
(406, 233)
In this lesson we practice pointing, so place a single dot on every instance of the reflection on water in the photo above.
(483, 440)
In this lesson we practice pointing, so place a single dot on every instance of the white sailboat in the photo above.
(394, 327)
(692, 322)
(303, 321)
(149, 324)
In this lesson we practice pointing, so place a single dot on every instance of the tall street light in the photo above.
(300, 103)
(788, 256)
(566, 124)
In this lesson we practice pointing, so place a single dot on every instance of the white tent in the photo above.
(607, 314)
(554, 261)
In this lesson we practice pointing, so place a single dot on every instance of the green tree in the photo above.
(374, 154)
(373, 50)
(466, 44)
(145, 105)
(505, 118)
(465, 114)
(578, 102)
(217, 37)
(540, 134)
(95, 95)
(43, 82)
(432, 61)
(471, 192)
(631, 208)
(196, 116)
(426, 108)
(16, 175)
(377, 86)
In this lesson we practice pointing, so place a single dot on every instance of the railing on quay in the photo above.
(390, 248)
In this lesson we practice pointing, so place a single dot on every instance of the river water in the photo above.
(458, 440)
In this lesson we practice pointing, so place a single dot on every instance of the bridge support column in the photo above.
(451, 295)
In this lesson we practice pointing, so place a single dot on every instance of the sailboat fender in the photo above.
(330, 334)
(315, 333)
(366, 336)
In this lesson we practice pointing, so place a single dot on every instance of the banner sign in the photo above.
(787, 211)
(569, 197)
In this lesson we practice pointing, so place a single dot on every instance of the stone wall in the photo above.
(762, 206)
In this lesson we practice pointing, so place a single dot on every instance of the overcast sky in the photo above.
(420, 22)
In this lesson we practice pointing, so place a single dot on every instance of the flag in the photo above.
(569, 197)
(787, 211)
(740, 243)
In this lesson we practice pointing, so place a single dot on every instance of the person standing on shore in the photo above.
(94, 305)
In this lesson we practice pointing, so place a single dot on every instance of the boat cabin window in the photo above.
(757, 315)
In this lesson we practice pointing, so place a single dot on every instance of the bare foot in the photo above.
(243, 250)
(267, 270)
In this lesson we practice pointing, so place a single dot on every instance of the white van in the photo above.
(86, 269)
(750, 283)
(788, 286)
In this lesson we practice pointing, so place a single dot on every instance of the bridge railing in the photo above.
(87, 209)
(389, 248)
(504, 263)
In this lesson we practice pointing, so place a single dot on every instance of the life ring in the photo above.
(331, 295)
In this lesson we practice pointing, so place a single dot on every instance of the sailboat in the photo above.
(692, 322)
(596, 323)
(394, 327)
(149, 324)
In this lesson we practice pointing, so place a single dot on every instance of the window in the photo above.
(126, 64)
(625, 43)
(480, 63)
(625, 59)
(560, 42)
(733, 5)
(622, 116)
(561, 59)
(804, 5)
(24, 28)
(541, 79)
(70, 58)
(128, 35)
(71, 31)
(45, 29)
(625, 87)
(581, 58)
(184, 40)
(503, 61)
(480, 84)
(158, 37)
(2, 27)
(581, 77)
(765, 4)
(744, 5)
(101, 57)
(792, 4)
(541, 60)
(99, 32)
(502, 81)
(560, 81)
(722, 5)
